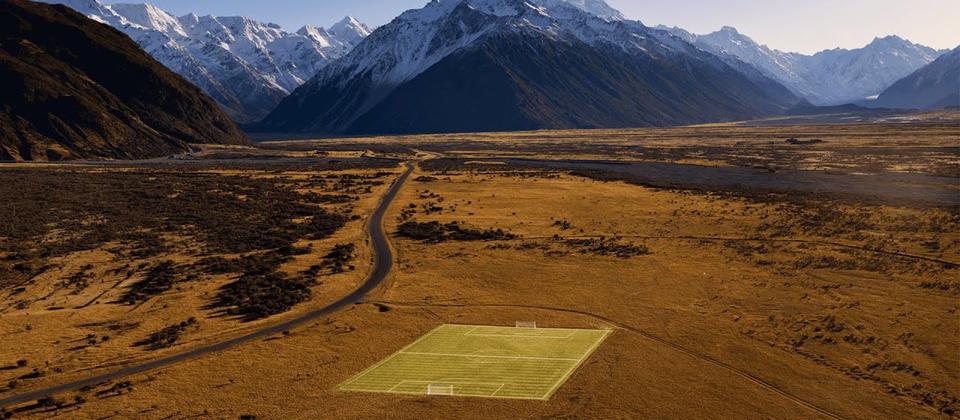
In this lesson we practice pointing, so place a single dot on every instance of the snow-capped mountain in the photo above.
(349, 31)
(595, 7)
(867, 71)
(245, 65)
(460, 65)
(935, 86)
(828, 77)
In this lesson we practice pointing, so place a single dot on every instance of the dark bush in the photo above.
(289, 250)
(166, 337)
(436, 232)
(331, 198)
(159, 279)
(604, 246)
(229, 214)
(257, 296)
(36, 373)
(339, 258)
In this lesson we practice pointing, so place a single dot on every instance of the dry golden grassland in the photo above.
(928, 147)
(104, 266)
(723, 304)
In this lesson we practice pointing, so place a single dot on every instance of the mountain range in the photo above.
(244, 65)
(73, 88)
(826, 78)
(493, 65)
(490, 65)
(935, 86)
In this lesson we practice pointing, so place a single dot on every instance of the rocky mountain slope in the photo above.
(245, 65)
(828, 77)
(75, 88)
(465, 65)
(935, 86)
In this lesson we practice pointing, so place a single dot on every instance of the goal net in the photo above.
(439, 389)
(526, 324)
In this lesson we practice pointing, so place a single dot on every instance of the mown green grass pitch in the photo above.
(482, 361)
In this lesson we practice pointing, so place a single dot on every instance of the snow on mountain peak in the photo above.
(890, 39)
(149, 17)
(730, 30)
(598, 8)
(83, 6)
(419, 38)
(602, 9)
(352, 23)
(91, 9)
(829, 77)
(245, 65)
(317, 34)
(349, 30)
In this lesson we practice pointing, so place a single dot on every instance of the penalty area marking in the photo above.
(523, 332)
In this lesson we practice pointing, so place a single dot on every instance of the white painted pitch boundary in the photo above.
(453, 383)
(573, 369)
(575, 363)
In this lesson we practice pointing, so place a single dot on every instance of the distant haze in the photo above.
(789, 25)
(809, 26)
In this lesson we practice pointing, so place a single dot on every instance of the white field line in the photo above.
(515, 328)
(503, 397)
(491, 357)
(454, 383)
(521, 336)
(576, 366)
(450, 382)
(378, 364)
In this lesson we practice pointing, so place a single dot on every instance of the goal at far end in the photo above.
(439, 389)
(526, 324)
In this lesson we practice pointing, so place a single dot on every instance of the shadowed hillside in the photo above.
(934, 86)
(74, 88)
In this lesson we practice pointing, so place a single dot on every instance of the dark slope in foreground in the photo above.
(936, 85)
(75, 88)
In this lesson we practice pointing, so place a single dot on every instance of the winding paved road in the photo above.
(382, 264)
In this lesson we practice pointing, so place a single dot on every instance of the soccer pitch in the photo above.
(482, 361)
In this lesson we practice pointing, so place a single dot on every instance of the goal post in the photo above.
(440, 389)
(526, 324)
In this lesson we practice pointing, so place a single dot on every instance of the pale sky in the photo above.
(803, 26)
